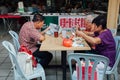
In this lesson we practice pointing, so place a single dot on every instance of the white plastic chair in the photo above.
(74, 58)
(16, 43)
(114, 69)
(15, 39)
(117, 41)
(18, 72)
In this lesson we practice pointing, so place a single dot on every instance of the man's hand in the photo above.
(79, 33)
(42, 37)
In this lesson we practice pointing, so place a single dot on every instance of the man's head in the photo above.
(38, 20)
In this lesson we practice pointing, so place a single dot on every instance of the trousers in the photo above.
(43, 57)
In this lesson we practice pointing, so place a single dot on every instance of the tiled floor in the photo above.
(5, 64)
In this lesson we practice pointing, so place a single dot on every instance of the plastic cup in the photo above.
(64, 33)
(55, 34)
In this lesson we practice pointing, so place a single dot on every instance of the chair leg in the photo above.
(108, 76)
(116, 75)
(39, 78)
(43, 77)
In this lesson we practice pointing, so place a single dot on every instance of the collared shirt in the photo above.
(29, 36)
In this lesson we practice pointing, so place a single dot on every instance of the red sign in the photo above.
(71, 21)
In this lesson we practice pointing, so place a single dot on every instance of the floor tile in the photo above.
(3, 55)
(4, 72)
(5, 66)
(3, 78)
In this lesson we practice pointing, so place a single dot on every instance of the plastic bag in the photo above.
(25, 62)
(24, 49)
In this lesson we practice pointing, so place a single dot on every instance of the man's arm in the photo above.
(43, 32)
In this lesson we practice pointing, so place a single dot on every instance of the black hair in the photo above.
(101, 20)
(38, 17)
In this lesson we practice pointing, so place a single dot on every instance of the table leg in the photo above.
(5, 25)
(63, 60)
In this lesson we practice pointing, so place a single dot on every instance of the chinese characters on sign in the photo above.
(71, 21)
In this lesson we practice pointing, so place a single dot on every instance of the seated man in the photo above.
(29, 36)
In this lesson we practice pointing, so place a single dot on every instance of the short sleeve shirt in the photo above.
(29, 36)
(107, 46)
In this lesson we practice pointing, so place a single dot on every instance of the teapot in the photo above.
(67, 42)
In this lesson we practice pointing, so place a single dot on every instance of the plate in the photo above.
(77, 42)
(77, 39)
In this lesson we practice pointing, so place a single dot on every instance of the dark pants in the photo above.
(44, 57)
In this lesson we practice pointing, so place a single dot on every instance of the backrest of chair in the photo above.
(15, 39)
(117, 41)
(87, 58)
(12, 54)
